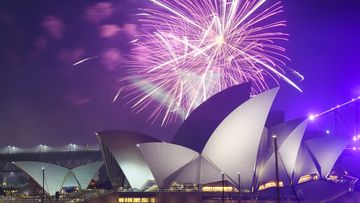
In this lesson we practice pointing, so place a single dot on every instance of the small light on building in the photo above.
(312, 117)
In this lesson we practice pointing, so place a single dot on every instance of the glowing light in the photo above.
(190, 50)
(306, 178)
(354, 138)
(270, 185)
(218, 189)
(327, 131)
(312, 117)
(354, 148)
(220, 40)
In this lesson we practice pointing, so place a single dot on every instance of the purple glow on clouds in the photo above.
(98, 12)
(109, 30)
(54, 27)
(130, 29)
(71, 55)
(111, 58)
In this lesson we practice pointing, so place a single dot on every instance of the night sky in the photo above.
(46, 100)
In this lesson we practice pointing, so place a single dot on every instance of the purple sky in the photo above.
(46, 100)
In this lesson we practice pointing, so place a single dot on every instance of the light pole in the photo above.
(223, 186)
(239, 185)
(276, 168)
(43, 184)
(11, 192)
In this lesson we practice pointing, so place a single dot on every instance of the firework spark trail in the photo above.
(192, 49)
(117, 95)
(84, 60)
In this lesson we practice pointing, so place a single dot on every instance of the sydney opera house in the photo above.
(228, 149)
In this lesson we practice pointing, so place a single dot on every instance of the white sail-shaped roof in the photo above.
(166, 159)
(263, 154)
(305, 164)
(85, 173)
(290, 147)
(199, 171)
(238, 136)
(266, 148)
(123, 147)
(70, 180)
(326, 151)
(54, 174)
(288, 152)
(269, 172)
(194, 125)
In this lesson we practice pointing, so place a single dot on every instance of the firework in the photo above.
(84, 60)
(192, 49)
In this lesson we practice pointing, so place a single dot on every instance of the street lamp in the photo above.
(238, 173)
(276, 168)
(223, 186)
(43, 183)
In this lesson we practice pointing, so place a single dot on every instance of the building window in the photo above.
(307, 178)
(218, 189)
(137, 200)
(270, 185)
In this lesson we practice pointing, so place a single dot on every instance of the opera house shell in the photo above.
(226, 137)
(57, 177)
